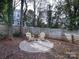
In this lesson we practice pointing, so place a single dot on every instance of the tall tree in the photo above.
(10, 16)
(71, 9)
(6, 9)
(34, 19)
(59, 14)
(3, 10)
(49, 14)
(21, 19)
(28, 17)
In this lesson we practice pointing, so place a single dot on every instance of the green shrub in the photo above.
(2, 35)
(16, 34)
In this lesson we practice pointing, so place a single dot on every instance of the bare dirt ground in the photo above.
(62, 50)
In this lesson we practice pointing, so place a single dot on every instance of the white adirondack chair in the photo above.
(29, 36)
(42, 36)
(68, 36)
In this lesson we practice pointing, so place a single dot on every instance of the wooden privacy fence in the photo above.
(54, 33)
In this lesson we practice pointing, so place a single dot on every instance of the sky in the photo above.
(30, 5)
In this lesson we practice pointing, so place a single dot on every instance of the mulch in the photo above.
(9, 50)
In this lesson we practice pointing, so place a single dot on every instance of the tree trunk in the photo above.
(34, 19)
(10, 18)
(21, 19)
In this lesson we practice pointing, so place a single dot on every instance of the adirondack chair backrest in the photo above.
(28, 35)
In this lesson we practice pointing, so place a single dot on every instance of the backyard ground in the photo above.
(9, 49)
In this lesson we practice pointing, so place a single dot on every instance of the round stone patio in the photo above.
(36, 46)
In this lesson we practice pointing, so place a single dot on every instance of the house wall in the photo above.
(16, 17)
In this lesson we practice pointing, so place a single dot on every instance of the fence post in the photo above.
(72, 36)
